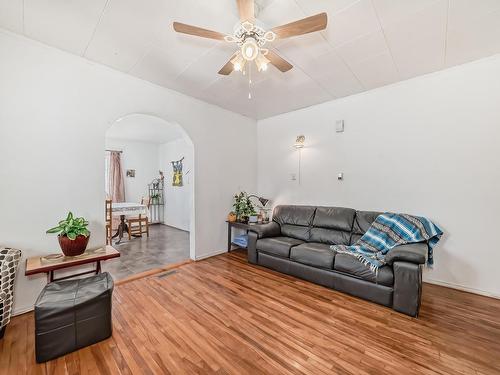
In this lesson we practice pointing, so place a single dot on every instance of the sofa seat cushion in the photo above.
(349, 264)
(313, 254)
(279, 246)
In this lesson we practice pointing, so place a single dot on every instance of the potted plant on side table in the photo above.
(73, 235)
(243, 207)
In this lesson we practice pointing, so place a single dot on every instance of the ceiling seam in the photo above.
(334, 50)
(142, 57)
(24, 10)
(328, 92)
(95, 28)
(445, 55)
(385, 39)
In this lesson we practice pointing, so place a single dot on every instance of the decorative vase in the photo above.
(231, 217)
(75, 247)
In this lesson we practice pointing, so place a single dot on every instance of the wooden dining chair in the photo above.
(109, 222)
(140, 224)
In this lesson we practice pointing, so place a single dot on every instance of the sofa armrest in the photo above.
(407, 294)
(271, 229)
(252, 247)
(412, 253)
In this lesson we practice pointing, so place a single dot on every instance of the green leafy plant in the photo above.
(71, 227)
(243, 207)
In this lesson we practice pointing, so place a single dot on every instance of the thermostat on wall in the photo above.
(339, 126)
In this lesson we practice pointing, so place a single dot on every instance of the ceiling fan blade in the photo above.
(228, 68)
(303, 26)
(278, 61)
(246, 9)
(197, 31)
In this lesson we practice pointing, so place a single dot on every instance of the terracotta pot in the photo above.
(75, 247)
(231, 217)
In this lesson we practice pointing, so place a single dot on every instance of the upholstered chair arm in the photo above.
(271, 229)
(9, 260)
(412, 253)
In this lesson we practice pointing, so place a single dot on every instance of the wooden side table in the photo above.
(39, 264)
(238, 225)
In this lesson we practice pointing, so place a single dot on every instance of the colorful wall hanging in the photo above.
(177, 176)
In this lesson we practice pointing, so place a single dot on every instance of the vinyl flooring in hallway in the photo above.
(165, 245)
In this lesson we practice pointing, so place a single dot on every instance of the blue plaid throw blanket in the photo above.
(388, 231)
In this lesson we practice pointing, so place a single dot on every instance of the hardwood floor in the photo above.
(222, 315)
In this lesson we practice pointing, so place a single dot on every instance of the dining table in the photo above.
(124, 209)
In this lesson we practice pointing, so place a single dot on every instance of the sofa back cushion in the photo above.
(332, 225)
(295, 221)
(362, 222)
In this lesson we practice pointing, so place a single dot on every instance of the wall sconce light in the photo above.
(299, 142)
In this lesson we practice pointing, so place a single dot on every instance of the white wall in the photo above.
(428, 146)
(141, 156)
(177, 198)
(54, 112)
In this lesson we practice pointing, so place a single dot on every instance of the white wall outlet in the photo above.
(340, 176)
(339, 126)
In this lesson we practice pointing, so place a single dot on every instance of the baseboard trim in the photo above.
(209, 255)
(462, 288)
(22, 310)
(174, 227)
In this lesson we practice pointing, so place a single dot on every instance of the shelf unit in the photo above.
(156, 209)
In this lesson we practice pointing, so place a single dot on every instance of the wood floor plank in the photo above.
(224, 316)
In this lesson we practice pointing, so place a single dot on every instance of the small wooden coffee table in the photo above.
(50, 263)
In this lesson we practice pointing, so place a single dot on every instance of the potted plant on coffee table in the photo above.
(73, 235)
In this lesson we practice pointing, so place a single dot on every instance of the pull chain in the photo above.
(249, 81)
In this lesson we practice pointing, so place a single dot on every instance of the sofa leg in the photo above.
(2, 331)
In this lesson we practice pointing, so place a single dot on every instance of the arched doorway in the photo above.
(156, 158)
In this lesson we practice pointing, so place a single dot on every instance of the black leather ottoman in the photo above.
(72, 314)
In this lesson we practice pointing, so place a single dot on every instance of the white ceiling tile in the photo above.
(363, 48)
(161, 66)
(220, 15)
(126, 31)
(226, 87)
(461, 11)
(376, 71)
(473, 30)
(279, 12)
(417, 41)
(352, 22)
(68, 25)
(311, 7)
(333, 74)
(203, 71)
(300, 50)
(390, 11)
(11, 15)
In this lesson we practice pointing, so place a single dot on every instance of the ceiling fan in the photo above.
(251, 39)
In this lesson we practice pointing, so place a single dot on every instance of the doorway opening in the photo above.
(149, 179)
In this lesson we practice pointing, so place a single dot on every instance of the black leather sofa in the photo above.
(297, 242)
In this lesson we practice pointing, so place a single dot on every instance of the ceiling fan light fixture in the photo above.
(269, 36)
(238, 62)
(249, 49)
(262, 62)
